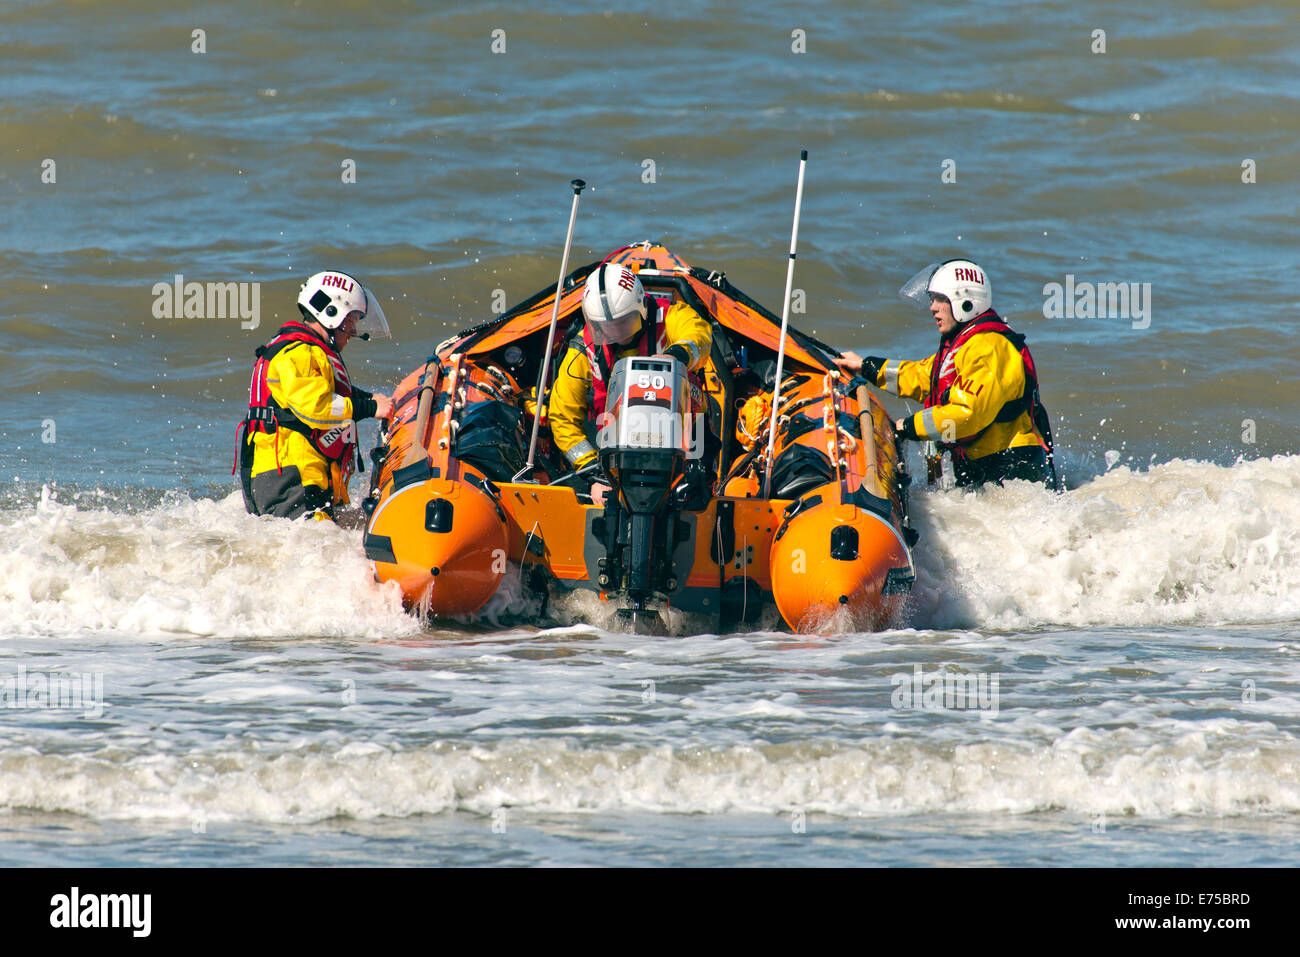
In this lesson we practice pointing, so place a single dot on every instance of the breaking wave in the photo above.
(1185, 542)
(1122, 772)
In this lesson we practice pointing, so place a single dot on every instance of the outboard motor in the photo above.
(646, 438)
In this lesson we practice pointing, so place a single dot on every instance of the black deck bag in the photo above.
(491, 438)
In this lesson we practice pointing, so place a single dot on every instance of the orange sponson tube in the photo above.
(836, 556)
(840, 541)
(436, 530)
(451, 542)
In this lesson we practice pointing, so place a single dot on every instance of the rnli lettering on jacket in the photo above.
(973, 392)
(944, 377)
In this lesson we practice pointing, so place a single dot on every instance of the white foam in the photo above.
(191, 568)
(766, 708)
(1183, 543)
(1114, 772)
(1186, 542)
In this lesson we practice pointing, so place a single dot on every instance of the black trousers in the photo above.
(1028, 462)
(280, 492)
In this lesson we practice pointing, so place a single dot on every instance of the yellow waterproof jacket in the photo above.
(989, 374)
(301, 379)
(569, 402)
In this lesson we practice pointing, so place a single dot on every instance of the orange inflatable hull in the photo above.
(448, 521)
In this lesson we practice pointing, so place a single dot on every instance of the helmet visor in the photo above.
(373, 325)
(917, 289)
(616, 331)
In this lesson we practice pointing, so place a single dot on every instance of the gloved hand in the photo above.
(680, 353)
(581, 484)
(868, 368)
(366, 405)
(906, 428)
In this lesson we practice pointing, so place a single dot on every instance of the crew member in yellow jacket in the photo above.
(620, 320)
(979, 391)
(299, 440)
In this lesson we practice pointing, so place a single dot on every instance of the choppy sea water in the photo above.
(254, 698)
(1137, 685)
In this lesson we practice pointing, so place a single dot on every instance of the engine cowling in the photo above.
(649, 431)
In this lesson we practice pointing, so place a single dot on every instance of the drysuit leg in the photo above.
(1028, 462)
(282, 493)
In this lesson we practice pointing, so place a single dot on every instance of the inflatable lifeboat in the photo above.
(452, 509)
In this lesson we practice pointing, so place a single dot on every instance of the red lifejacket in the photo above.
(943, 373)
(265, 415)
(601, 359)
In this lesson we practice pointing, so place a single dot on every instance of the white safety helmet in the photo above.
(613, 304)
(330, 297)
(964, 284)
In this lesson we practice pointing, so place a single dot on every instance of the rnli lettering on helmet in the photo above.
(967, 275)
(626, 280)
(341, 282)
